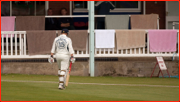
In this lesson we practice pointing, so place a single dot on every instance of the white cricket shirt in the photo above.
(62, 45)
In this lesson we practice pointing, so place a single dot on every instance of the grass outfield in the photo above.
(16, 87)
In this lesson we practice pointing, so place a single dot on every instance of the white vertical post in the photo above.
(173, 24)
(91, 41)
(134, 50)
(20, 45)
(109, 51)
(122, 51)
(139, 50)
(46, 6)
(158, 22)
(15, 43)
(100, 51)
(2, 36)
(6, 44)
(147, 44)
(117, 51)
(25, 43)
(11, 44)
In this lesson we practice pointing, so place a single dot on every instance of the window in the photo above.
(40, 8)
(80, 4)
(5, 8)
(125, 4)
(23, 8)
(120, 6)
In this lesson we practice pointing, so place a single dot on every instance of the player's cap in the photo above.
(65, 31)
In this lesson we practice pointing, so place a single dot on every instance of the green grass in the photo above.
(33, 91)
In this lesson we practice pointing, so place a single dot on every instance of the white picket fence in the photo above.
(18, 49)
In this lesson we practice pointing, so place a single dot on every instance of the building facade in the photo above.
(168, 11)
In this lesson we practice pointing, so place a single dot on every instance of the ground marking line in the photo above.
(91, 83)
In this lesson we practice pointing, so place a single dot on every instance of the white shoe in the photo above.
(61, 87)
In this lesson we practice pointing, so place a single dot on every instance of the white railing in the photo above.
(15, 49)
(135, 52)
(175, 23)
(18, 49)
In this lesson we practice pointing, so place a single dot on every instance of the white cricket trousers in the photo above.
(63, 64)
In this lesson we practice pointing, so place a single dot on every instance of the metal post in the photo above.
(91, 41)
(34, 8)
(144, 7)
(46, 6)
(10, 8)
(154, 69)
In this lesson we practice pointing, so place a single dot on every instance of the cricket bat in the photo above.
(68, 74)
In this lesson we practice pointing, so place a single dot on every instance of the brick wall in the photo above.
(57, 5)
(157, 8)
(131, 67)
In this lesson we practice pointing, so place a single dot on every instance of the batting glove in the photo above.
(51, 59)
(72, 59)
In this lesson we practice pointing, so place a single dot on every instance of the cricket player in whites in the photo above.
(62, 48)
